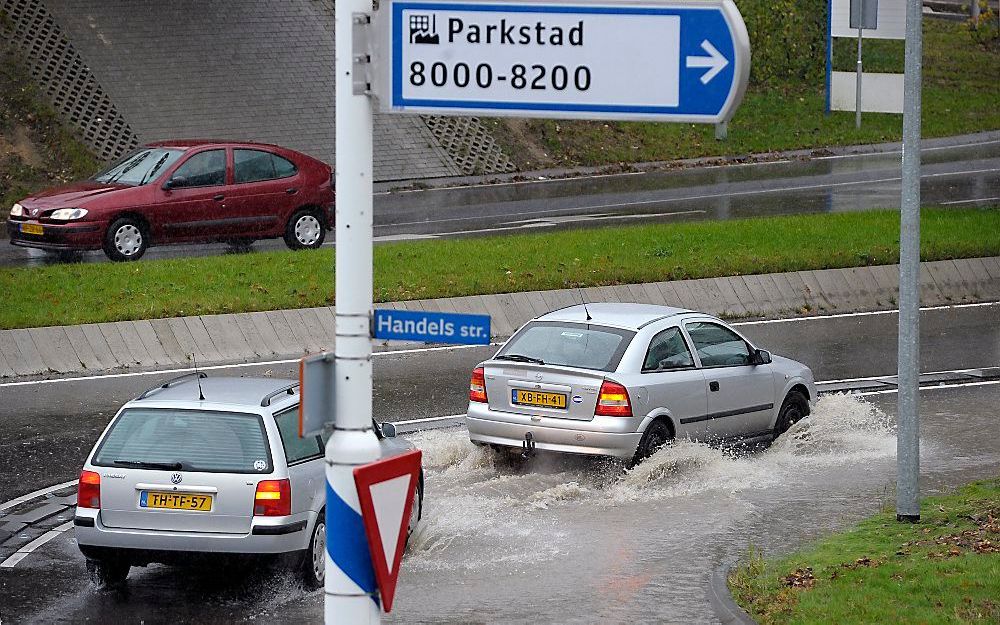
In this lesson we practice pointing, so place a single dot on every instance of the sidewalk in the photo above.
(284, 334)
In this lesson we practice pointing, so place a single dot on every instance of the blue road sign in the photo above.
(430, 327)
(684, 61)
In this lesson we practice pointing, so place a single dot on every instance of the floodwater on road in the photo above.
(565, 539)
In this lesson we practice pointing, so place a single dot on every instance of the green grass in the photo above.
(946, 569)
(83, 293)
(960, 96)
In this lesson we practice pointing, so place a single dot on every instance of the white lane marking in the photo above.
(24, 551)
(900, 151)
(688, 198)
(242, 365)
(429, 419)
(985, 199)
(872, 313)
(879, 377)
(38, 493)
(932, 388)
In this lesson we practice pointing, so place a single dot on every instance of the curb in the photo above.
(155, 344)
(725, 607)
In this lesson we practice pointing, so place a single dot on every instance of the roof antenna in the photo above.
(197, 376)
(584, 302)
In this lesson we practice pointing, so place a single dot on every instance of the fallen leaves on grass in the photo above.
(800, 578)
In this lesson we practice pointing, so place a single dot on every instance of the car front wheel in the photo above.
(314, 564)
(126, 240)
(305, 230)
(792, 410)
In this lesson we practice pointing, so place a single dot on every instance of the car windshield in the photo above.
(140, 167)
(189, 440)
(582, 345)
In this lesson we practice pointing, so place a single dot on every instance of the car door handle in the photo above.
(713, 386)
(219, 198)
(291, 191)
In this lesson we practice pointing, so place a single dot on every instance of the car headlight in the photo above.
(68, 213)
(17, 211)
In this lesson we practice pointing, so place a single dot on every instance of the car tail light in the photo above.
(477, 386)
(613, 401)
(88, 492)
(273, 498)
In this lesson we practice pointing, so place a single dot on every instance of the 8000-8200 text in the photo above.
(537, 77)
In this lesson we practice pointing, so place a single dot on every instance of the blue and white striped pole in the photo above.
(350, 580)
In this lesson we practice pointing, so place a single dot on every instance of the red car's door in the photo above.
(194, 203)
(265, 190)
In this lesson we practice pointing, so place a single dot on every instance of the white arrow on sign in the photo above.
(715, 62)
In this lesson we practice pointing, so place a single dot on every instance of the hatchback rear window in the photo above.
(217, 442)
(583, 345)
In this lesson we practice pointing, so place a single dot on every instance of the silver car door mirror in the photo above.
(763, 357)
(388, 430)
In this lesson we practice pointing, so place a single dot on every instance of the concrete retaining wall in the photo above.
(260, 336)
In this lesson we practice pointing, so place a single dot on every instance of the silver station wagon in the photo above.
(199, 467)
(624, 379)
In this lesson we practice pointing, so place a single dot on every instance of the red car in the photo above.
(183, 192)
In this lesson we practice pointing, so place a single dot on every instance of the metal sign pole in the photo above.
(857, 88)
(908, 433)
(350, 579)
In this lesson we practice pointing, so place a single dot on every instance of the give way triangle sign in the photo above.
(385, 492)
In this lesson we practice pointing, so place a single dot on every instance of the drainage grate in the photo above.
(66, 80)
(470, 145)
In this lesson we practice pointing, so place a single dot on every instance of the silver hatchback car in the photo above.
(624, 379)
(199, 466)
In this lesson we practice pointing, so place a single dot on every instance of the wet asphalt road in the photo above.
(555, 539)
(960, 175)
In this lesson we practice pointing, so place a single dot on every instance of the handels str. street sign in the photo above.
(385, 491)
(684, 61)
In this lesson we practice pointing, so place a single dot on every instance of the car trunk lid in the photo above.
(546, 390)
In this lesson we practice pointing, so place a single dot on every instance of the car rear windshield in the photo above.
(218, 442)
(582, 345)
(140, 167)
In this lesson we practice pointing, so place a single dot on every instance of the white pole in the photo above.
(350, 580)
(857, 86)
(908, 431)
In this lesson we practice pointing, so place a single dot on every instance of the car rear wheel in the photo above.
(107, 573)
(305, 230)
(126, 240)
(792, 410)
(417, 510)
(657, 435)
(314, 564)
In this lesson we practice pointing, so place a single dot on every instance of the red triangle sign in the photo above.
(385, 492)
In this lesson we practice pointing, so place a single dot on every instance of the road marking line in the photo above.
(932, 388)
(871, 313)
(985, 199)
(38, 493)
(24, 551)
(429, 419)
(242, 365)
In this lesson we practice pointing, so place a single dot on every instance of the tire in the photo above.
(417, 511)
(657, 435)
(305, 230)
(126, 240)
(107, 574)
(792, 410)
(314, 562)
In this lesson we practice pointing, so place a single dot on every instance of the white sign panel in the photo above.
(891, 20)
(880, 93)
(686, 61)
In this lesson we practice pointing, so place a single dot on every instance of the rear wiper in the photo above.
(521, 358)
(166, 466)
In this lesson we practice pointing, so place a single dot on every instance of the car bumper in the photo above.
(601, 436)
(78, 236)
(273, 535)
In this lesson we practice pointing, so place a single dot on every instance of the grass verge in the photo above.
(960, 95)
(946, 569)
(85, 293)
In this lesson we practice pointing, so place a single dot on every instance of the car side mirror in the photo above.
(173, 183)
(388, 430)
(762, 357)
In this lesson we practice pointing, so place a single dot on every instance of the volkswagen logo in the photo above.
(176, 478)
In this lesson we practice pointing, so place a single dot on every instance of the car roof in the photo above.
(249, 392)
(195, 143)
(627, 316)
